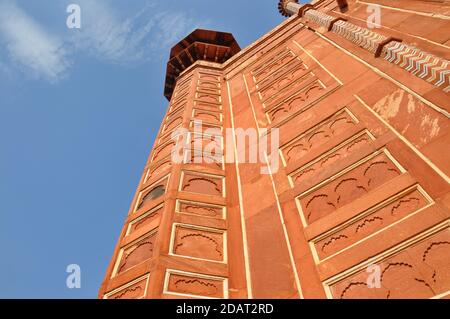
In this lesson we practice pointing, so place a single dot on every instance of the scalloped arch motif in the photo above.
(207, 116)
(208, 97)
(173, 123)
(129, 293)
(137, 253)
(284, 80)
(318, 135)
(200, 209)
(302, 99)
(163, 151)
(198, 243)
(158, 168)
(190, 284)
(203, 185)
(331, 158)
(348, 187)
(420, 277)
(271, 65)
(208, 84)
(206, 159)
(150, 219)
(135, 291)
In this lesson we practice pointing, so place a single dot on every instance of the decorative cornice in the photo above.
(362, 37)
(433, 69)
(426, 66)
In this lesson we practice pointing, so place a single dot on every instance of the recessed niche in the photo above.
(200, 209)
(133, 290)
(149, 220)
(196, 285)
(202, 183)
(135, 253)
(152, 193)
(198, 242)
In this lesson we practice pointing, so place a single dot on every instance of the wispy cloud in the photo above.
(29, 46)
(106, 34)
(172, 27)
(126, 40)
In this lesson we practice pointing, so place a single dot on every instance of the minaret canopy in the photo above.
(201, 44)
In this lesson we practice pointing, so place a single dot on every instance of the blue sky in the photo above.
(79, 110)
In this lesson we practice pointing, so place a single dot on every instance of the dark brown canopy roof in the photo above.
(201, 44)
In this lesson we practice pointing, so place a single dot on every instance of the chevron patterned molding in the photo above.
(422, 64)
(319, 18)
(360, 36)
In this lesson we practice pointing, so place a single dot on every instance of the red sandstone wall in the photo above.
(363, 177)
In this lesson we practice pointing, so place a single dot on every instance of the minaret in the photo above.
(358, 205)
(176, 241)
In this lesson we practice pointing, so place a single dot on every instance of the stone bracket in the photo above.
(383, 43)
(303, 9)
(334, 21)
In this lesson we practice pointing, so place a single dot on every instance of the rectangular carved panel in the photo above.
(158, 168)
(422, 270)
(207, 105)
(271, 88)
(197, 285)
(202, 184)
(207, 84)
(208, 89)
(205, 76)
(198, 242)
(163, 151)
(269, 99)
(179, 105)
(207, 116)
(343, 150)
(179, 97)
(136, 253)
(268, 66)
(174, 114)
(207, 143)
(149, 220)
(134, 290)
(173, 123)
(306, 96)
(348, 186)
(293, 68)
(318, 135)
(206, 128)
(372, 221)
(200, 209)
(206, 159)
